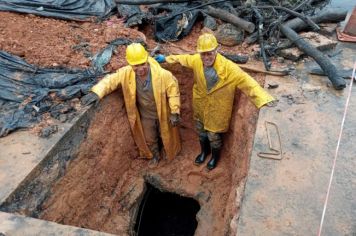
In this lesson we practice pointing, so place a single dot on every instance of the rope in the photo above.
(337, 150)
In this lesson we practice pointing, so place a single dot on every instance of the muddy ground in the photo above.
(103, 186)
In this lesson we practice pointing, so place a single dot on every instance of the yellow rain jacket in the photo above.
(166, 94)
(213, 108)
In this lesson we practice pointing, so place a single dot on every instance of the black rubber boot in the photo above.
(153, 162)
(205, 151)
(156, 156)
(215, 156)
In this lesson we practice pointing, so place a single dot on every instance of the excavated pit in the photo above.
(163, 213)
(100, 183)
(92, 178)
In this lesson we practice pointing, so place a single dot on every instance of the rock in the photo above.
(19, 52)
(306, 87)
(204, 196)
(65, 60)
(63, 118)
(46, 132)
(280, 59)
(328, 28)
(316, 40)
(210, 22)
(84, 62)
(249, 3)
(285, 43)
(272, 86)
(319, 41)
(291, 53)
(229, 35)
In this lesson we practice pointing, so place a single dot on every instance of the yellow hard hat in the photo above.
(206, 43)
(136, 54)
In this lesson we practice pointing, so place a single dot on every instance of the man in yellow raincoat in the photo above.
(215, 81)
(152, 102)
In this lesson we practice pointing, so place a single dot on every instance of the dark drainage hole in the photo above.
(166, 214)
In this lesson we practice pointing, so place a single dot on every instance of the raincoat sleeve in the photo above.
(107, 85)
(249, 86)
(173, 95)
(185, 60)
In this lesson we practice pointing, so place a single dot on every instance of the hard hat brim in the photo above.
(206, 50)
(137, 62)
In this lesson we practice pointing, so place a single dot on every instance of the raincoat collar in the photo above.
(218, 66)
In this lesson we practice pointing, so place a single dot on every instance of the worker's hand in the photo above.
(160, 58)
(174, 119)
(89, 99)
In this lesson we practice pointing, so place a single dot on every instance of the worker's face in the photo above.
(208, 58)
(141, 70)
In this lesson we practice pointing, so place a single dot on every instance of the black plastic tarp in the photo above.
(181, 17)
(62, 9)
(27, 91)
(132, 14)
(104, 57)
(175, 26)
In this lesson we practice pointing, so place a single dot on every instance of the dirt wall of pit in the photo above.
(103, 187)
(36, 187)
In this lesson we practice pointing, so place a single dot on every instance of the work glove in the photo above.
(174, 119)
(160, 58)
(90, 98)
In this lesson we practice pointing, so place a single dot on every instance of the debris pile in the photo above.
(28, 91)
(272, 24)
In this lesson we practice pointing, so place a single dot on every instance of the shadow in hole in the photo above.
(166, 214)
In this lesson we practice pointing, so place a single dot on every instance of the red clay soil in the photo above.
(49, 42)
(104, 185)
